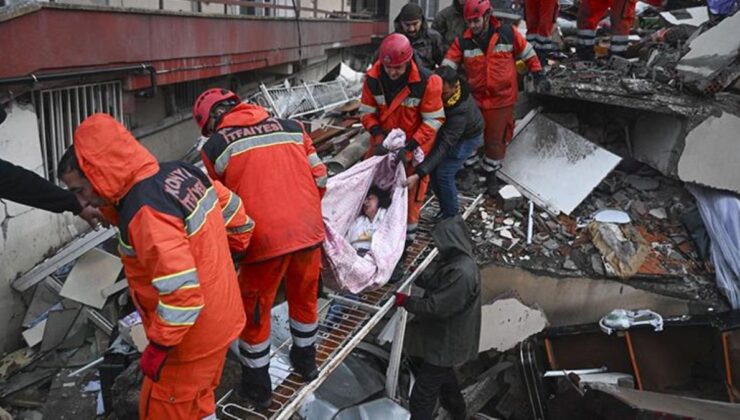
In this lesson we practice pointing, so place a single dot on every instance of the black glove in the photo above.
(403, 155)
(540, 82)
(380, 150)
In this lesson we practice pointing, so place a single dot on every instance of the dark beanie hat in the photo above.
(410, 12)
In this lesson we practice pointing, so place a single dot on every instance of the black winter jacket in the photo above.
(446, 328)
(462, 121)
(25, 187)
(428, 46)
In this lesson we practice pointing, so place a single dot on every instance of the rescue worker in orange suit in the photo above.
(272, 165)
(540, 16)
(398, 93)
(488, 51)
(173, 223)
(591, 12)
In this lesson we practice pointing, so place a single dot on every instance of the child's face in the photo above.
(370, 205)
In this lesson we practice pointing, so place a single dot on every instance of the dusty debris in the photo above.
(622, 247)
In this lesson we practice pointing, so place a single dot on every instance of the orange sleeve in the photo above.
(318, 169)
(524, 51)
(162, 246)
(454, 56)
(432, 112)
(239, 226)
(369, 109)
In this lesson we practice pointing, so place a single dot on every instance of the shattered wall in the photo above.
(26, 234)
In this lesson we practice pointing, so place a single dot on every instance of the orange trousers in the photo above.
(185, 390)
(499, 127)
(259, 284)
(415, 201)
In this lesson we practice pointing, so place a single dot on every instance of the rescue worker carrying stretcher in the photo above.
(398, 93)
(272, 165)
(173, 223)
(488, 51)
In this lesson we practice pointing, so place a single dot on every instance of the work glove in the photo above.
(540, 82)
(400, 299)
(380, 150)
(152, 360)
(403, 156)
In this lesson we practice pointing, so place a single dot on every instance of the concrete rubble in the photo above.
(617, 228)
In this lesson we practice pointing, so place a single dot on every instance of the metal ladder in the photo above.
(344, 321)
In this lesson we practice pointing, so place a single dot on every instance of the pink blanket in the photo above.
(343, 269)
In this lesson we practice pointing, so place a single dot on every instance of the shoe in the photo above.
(303, 360)
(585, 52)
(256, 386)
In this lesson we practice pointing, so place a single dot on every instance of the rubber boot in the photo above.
(256, 386)
(492, 184)
(542, 56)
(303, 360)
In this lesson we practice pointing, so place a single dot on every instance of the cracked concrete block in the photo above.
(710, 155)
(657, 140)
(711, 52)
(508, 322)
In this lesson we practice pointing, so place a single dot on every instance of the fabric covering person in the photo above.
(426, 42)
(450, 22)
(373, 211)
(177, 258)
(591, 12)
(398, 93)
(488, 51)
(26, 187)
(460, 135)
(445, 329)
(272, 165)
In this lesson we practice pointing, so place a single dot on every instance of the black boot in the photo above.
(492, 184)
(303, 360)
(256, 386)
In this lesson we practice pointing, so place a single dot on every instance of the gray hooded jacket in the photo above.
(446, 328)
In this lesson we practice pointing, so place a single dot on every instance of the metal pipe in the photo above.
(34, 78)
(529, 223)
(350, 155)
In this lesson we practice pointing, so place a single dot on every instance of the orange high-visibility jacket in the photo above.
(417, 109)
(273, 167)
(491, 70)
(173, 241)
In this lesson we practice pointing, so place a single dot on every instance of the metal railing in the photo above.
(286, 101)
(59, 112)
(344, 321)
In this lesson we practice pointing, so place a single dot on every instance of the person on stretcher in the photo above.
(373, 210)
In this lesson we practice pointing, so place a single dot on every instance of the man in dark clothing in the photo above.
(446, 328)
(25, 187)
(427, 43)
(450, 23)
(460, 136)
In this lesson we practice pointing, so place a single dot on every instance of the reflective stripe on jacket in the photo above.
(491, 70)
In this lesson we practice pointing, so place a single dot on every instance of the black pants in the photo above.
(431, 383)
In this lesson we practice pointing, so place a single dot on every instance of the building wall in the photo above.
(26, 234)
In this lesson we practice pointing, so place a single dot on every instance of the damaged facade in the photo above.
(619, 194)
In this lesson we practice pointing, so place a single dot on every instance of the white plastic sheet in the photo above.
(721, 214)
(343, 269)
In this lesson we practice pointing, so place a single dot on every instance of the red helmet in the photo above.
(206, 101)
(476, 8)
(395, 50)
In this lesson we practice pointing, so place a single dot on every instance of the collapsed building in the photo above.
(609, 261)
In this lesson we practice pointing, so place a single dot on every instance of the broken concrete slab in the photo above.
(711, 153)
(711, 52)
(35, 334)
(507, 323)
(693, 16)
(64, 329)
(509, 198)
(553, 166)
(578, 300)
(44, 298)
(91, 275)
